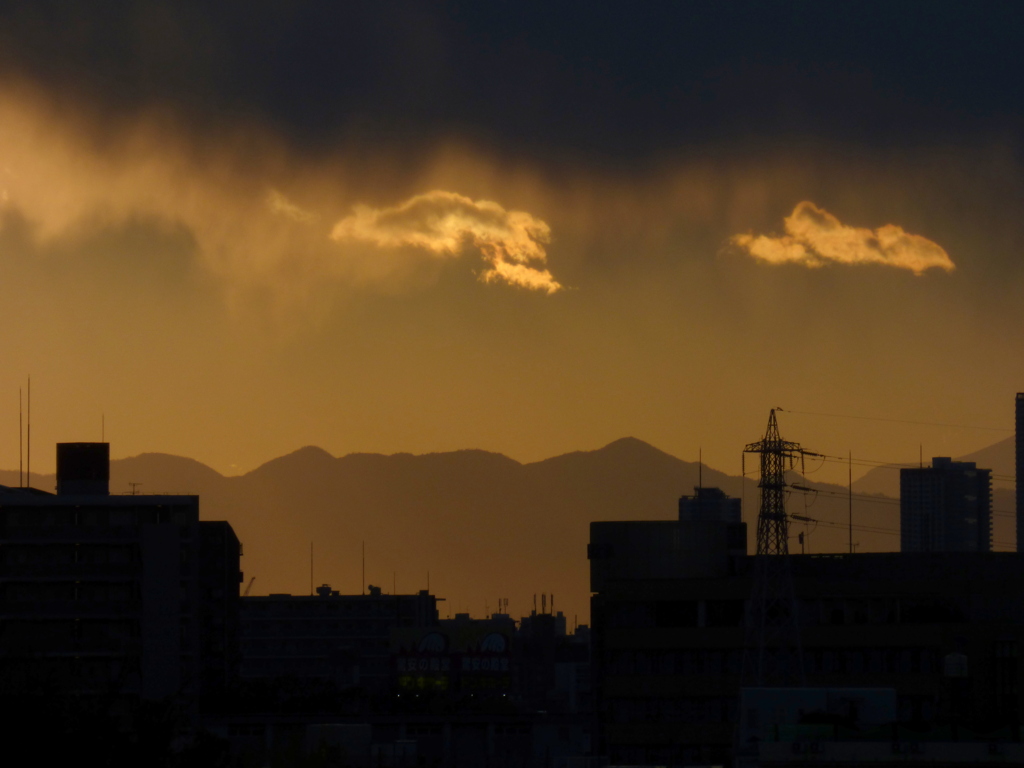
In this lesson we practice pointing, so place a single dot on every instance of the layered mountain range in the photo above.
(479, 526)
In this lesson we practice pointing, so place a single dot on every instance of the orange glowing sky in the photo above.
(219, 288)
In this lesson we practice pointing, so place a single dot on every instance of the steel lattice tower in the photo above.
(772, 524)
(773, 654)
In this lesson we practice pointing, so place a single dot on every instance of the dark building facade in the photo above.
(126, 598)
(944, 630)
(344, 640)
(463, 692)
(946, 507)
(218, 607)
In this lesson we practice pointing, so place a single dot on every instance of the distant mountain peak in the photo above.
(629, 443)
(308, 455)
(625, 454)
(310, 451)
(633, 448)
(157, 456)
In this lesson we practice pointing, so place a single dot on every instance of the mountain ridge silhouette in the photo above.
(483, 525)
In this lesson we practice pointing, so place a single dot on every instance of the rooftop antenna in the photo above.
(700, 482)
(21, 445)
(311, 569)
(850, 512)
(28, 437)
(743, 485)
(363, 588)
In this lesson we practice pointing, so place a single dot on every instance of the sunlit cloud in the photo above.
(814, 238)
(262, 223)
(444, 223)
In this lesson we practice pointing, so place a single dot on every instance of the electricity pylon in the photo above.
(773, 653)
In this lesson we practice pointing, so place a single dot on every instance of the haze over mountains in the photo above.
(484, 526)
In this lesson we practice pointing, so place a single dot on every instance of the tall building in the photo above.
(117, 598)
(1020, 470)
(710, 504)
(946, 507)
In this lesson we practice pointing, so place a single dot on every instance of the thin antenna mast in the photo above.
(28, 438)
(850, 512)
(21, 445)
(743, 484)
(311, 569)
(700, 482)
(364, 568)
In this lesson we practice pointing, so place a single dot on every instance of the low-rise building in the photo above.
(942, 630)
(344, 640)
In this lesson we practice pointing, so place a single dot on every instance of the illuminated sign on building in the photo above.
(467, 657)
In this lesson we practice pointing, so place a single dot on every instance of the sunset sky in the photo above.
(232, 231)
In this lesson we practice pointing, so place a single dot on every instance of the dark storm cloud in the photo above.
(601, 82)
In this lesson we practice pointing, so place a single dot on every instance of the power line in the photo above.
(867, 528)
(865, 462)
(879, 529)
(888, 465)
(859, 496)
(879, 499)
(897, 421)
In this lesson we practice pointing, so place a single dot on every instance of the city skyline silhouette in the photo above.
(385, 384)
